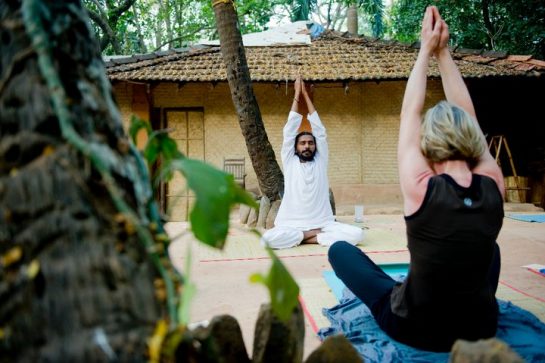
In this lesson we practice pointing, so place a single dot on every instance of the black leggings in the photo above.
(368, 282)
(373, 287)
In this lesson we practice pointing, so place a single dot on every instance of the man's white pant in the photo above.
(287, 237)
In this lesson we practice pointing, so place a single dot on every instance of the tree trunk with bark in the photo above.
(141, 44)
(76, 284)
(164, 10)
(352, 19)
(490, 31)
(269, 175)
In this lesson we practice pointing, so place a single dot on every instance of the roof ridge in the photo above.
(159, 56)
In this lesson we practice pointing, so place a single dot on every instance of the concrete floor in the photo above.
(224, 287)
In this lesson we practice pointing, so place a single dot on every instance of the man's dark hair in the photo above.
(302, 133)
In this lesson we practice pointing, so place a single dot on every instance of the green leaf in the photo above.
(258, 278)
(152, 150)
(216, 192)
(136, 125)
(160, 144)
(283, 289)
(169, 148)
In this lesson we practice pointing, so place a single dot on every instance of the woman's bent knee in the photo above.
(338, 249)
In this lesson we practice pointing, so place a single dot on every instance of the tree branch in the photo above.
(181, 37)
(109, 35)
(99, 7)
(117, 12)
(487, 23)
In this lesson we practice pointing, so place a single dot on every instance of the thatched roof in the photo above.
(329, 58)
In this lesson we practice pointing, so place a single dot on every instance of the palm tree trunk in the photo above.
(269, 175)
(75, 283)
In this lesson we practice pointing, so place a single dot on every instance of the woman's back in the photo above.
(452, 241)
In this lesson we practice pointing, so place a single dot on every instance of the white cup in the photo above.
(358, 213)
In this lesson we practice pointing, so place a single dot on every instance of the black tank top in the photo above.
(451, 242)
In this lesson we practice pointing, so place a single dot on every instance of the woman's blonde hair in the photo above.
(450, 133)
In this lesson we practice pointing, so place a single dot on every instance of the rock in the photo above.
(243, 213)
(335, 349)
(278, 342)
(483, 351)
(264, 206)
(252, 218)
(221, 341)
(271, 216)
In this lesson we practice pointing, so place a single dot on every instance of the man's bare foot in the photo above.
(310, 237)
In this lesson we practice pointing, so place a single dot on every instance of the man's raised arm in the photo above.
(293, 123)
(318, 128)
(290, 132)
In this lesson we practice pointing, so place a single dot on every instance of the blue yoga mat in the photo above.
(398, 271)
(520, 329)
(538, 218)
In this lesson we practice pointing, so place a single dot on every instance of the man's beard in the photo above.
(306, 155)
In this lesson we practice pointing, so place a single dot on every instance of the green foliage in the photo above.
(253, 15)
(282, 287)
(301, 9)
(516, 26)
(374, 10)
(216, 192)
(513, 26)
(191, 20)
(160, 144)
(172, 23)
(465, 15)
(373, 13)
(138, 124)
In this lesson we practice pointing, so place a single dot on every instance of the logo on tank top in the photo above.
(468, 202)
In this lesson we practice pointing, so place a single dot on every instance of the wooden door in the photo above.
(187, 127)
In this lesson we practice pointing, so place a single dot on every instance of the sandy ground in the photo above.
(223, 279)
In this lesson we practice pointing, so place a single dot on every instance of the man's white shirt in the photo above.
(305, 204)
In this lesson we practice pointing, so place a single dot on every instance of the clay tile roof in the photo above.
(519, 58)
(494, 54)
(329, 58)
(465, 51)
(537, 62)
(524, 67)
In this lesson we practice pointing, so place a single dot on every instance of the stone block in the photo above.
(483, 351)
(243, 213)
(276, 341)
(271, 216)
(252, 218)
(264, 207)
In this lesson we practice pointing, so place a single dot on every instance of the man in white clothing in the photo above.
(305, 214)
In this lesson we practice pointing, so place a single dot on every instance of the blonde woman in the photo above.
(453, 202)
